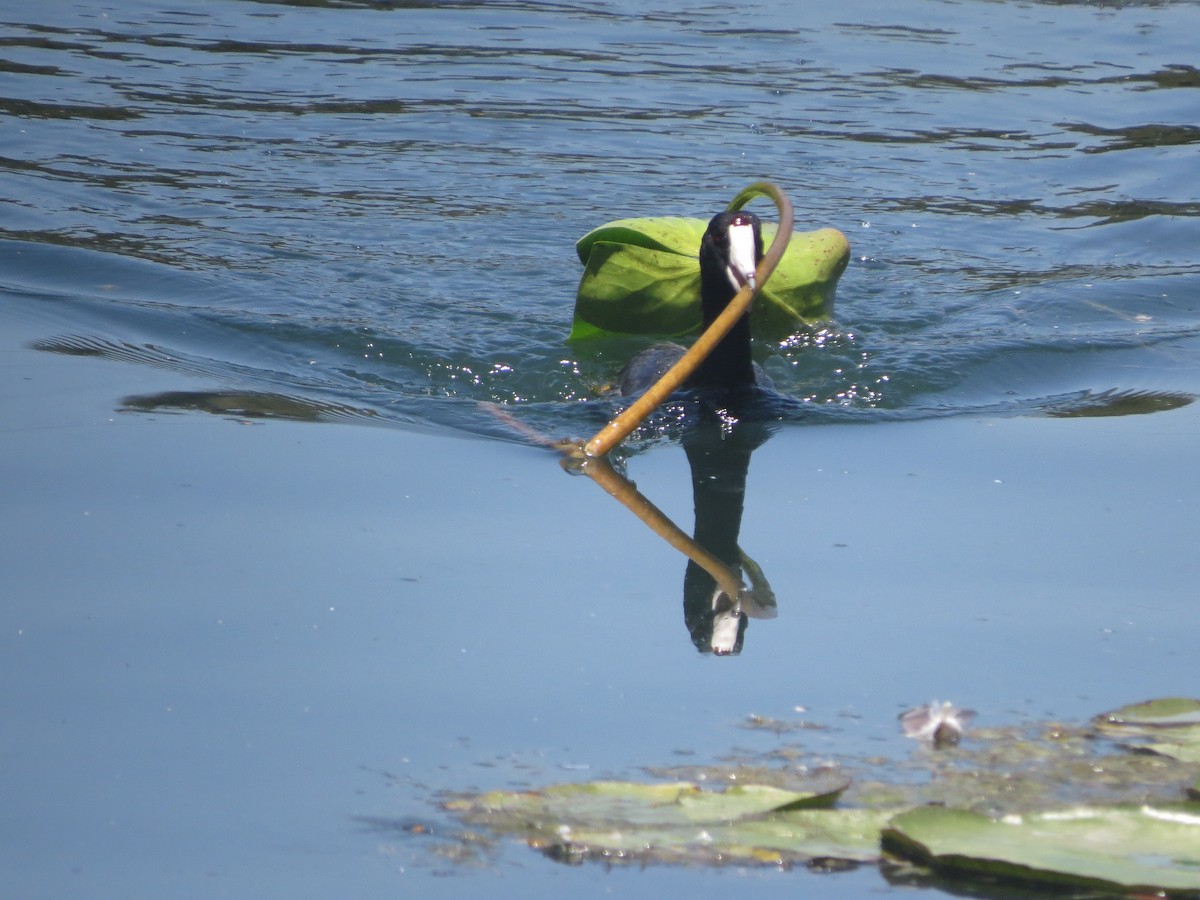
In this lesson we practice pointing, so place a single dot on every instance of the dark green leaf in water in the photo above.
(642, 276)
(1142, 848)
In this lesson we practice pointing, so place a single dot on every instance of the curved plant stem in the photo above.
(624, 424)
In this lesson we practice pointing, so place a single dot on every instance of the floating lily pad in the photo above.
(1142, 848)
(1043, 802)
(642, 277)
(679, 822)
(630, 803)
(674, 234)
(1184, 747)
(1171, 712)
(800, 836)
(1172, 726)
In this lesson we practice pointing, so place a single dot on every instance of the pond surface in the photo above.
(249, 639)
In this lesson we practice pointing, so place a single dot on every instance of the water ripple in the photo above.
(373, 206)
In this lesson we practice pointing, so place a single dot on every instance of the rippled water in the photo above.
(375, 205)
(367, 212)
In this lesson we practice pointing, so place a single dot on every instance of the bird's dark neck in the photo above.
(719, 465)
(729, 364)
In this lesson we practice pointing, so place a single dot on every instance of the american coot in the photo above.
(729, 253)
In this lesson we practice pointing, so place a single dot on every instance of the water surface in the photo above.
(236, 650)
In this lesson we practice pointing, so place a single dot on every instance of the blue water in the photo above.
(378, 206)
(234, 648)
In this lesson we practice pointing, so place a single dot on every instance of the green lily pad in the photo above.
(679, 821)
(1184, 747)
(799, 836)
(630, 803)
(627, 289)
(1043, 802)
(674, 234)
(1171, 712)
(1129, 848)
(642, 277)
(1172, 724)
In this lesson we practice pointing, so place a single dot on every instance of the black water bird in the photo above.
(730, 251)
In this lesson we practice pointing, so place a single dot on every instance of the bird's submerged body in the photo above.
(651, 364)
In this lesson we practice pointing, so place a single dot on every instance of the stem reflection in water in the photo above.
(717, 603)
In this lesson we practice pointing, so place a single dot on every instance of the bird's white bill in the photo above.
(741, 256)
(726, 623)
(725, 631)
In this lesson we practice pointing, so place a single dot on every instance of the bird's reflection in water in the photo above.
(719, 457)
(717, 602)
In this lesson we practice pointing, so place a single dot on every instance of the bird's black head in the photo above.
(729, 253)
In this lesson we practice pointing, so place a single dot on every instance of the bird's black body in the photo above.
(729, 251)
